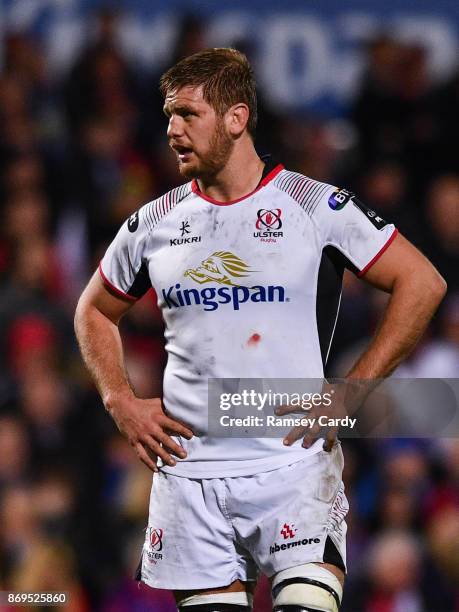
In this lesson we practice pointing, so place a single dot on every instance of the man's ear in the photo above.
(236, 119)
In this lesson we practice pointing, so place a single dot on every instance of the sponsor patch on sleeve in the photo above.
(339, 198)
(133, 222)
(371, 215)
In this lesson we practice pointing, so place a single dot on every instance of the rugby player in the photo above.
(246, 259)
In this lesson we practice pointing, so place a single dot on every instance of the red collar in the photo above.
(269, 177)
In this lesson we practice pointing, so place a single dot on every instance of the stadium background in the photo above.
(363, 96)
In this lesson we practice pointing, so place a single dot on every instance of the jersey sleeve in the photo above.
(357, 231)
(123, 268)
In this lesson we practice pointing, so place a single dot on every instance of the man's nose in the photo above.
(175, 127)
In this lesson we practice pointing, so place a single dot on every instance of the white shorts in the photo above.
(205, 533)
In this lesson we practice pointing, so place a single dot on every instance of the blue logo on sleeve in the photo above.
(339, 199)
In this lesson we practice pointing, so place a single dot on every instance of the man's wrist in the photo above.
(113, 399)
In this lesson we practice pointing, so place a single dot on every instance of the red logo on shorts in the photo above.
(156, 539)
(287, 531)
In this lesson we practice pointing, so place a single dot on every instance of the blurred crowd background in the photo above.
(80, 153)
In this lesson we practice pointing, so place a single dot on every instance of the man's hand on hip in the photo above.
(148, 429)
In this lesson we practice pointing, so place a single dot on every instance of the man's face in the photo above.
(196, 133)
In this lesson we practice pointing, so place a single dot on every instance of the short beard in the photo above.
(211, 163)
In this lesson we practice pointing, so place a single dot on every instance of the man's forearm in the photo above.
(102, 351)
(411, 306)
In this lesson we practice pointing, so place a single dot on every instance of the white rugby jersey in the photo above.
(248, 288)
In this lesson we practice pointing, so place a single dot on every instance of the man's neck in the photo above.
(238, 178)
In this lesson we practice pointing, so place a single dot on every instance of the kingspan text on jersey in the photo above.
(213, 297)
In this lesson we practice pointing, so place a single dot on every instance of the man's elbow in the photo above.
(80, 313)
(424, 281)
(438, 286)
(434, 285)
